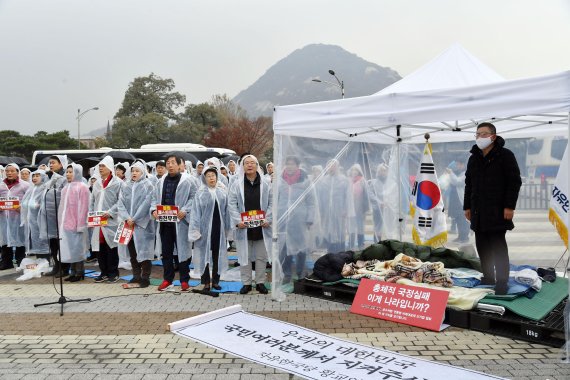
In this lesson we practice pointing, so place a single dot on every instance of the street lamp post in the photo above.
(79, 116)
(339, 84)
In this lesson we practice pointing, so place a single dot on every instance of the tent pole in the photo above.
(567, 187)
(398, 142)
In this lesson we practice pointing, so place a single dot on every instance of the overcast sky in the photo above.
(60, 55)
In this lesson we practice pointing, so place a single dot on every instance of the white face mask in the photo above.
(483, 142)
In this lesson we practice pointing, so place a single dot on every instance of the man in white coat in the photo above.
(248, 193)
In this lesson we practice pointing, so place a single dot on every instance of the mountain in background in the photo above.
(99, 132)
(289, 81)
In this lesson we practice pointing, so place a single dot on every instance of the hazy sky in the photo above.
(60, 55)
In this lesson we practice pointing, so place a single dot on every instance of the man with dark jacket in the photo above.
(492, 183)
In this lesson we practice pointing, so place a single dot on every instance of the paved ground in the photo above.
(122, 333)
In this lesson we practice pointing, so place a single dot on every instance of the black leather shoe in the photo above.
(77, 278)
(70, 278)
(216, 286)
(245, 289)
(261, 289)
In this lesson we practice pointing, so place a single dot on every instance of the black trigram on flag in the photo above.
(427, 168)
(424, 222)
(415, 188)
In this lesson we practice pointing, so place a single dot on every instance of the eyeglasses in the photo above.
(483, 134)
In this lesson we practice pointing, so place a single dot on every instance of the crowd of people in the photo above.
(69, 220)
(171, 211)
(185, 215)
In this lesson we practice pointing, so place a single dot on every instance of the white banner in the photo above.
(558, 212)
(307, 353)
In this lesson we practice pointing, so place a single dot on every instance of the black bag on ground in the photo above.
(329, 266)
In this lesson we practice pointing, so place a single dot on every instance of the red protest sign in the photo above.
(253, 218)
(167, 213)
(124, 233)
(410, 305)
(9, 203)
(96, 219)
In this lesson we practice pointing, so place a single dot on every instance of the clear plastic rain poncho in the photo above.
(215, 162)
(236, 206)
(72, 217)
(11, 231)
(106, 199)
(361, 202)
(297, 205)
(51, 202)
(30, 214)
(377, 186)
(122, 250)
(336, 206)
(185, 193)
(135, 203)
(352, 199)
(29, 180)
(200, 230)
(127, 168)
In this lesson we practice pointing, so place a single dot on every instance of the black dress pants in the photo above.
(108, 259)
(494, 255)
(168, 242)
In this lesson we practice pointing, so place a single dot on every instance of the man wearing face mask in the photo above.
(492, 184)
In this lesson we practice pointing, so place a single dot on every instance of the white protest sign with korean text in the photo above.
(9, 203)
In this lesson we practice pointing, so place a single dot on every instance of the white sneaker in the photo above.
(125, 265)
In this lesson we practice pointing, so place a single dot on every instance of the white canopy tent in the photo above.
(455, 67)
(448, 97)
(515, 106)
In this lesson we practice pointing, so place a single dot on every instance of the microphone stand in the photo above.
(62, 300)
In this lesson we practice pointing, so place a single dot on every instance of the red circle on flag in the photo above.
(428, 195)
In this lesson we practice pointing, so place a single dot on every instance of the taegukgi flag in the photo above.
(558, 211)
(430, 224)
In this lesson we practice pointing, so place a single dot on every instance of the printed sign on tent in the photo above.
(559, 201)
(167, 213)
(96, 219)
(253, 218)
(9, 203)
(414, 306)
(124, 233)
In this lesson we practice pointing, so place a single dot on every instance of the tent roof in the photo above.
(455, 67)
(447, 97)
(448, 114)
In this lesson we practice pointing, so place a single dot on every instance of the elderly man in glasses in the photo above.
(492, 183)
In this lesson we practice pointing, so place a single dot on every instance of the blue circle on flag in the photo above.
(428, 195)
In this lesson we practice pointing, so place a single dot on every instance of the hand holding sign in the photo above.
(9, 203)
(252, 219)
(167, 214)
(97, 219)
